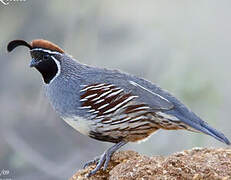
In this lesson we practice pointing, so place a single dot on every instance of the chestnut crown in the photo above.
(37, 43)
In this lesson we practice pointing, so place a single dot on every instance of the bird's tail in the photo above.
(205, 128)
(196, 123)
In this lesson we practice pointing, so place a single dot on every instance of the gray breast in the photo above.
(64, 96)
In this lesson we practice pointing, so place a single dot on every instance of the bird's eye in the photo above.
(46, 57)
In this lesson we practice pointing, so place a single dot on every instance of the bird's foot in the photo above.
(102, 161)
(95, 160)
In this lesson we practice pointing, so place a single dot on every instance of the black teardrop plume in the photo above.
(13, 44)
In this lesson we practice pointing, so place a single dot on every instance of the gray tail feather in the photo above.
(205, 128)
(195, 122)
(214, 133)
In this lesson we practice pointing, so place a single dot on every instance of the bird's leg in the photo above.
(111, 151)
(105, 157)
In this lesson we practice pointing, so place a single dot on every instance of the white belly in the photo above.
(80, 124)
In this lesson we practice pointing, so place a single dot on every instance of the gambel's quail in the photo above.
(108, 105)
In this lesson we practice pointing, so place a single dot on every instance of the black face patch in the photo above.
(46, 64)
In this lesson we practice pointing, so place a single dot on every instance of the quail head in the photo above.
(108, 105)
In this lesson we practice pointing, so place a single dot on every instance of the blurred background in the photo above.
(184, 46)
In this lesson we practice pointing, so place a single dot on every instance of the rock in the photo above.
(195, 164)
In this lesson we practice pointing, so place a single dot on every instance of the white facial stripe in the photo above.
(59, 68)
(46, 50)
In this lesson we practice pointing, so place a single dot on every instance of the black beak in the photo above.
(34, 63)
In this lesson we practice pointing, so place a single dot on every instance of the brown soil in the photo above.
(195, 164)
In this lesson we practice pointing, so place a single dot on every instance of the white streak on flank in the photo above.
(120, 104)
(141, 108)
(137, 85)
(97, 88)
(118, 122)
(115, 93)
(82, 90)
(95, 99)
(128, 118)
(58, 67)
(101, 100)
(95, 112)
(107, 122)
(46, 50)
(167, 116)
(99, 117)
(117, 88)
(110, 85)
(138, 118)
(93, 86)
(85, 107)
(104, 94)
(81, 100)
(90, 96)
(103, 106)
(90, 111)
(105, 88)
